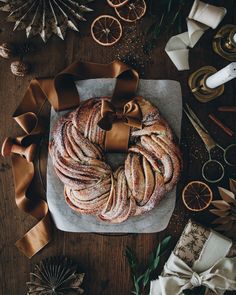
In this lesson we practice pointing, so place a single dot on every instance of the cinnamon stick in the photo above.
(227, 109)
(226, 129)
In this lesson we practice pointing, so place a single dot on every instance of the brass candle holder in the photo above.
(197, 84)
(224, 43)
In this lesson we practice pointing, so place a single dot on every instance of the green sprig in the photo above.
(141, 281)
(169, 15)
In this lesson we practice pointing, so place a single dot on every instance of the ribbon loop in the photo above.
(178, 276)
(130, 115)
(117, 121)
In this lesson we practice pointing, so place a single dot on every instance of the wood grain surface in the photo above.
(101, 257)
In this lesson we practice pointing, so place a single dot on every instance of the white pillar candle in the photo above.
(234, 38)
(221, 77)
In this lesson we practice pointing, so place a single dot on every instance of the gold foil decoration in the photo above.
(55, 275)
(45, 17)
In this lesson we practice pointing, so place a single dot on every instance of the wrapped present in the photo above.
(202, 257)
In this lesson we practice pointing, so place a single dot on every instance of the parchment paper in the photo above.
(166, 95)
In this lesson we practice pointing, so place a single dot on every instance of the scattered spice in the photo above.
(131, 49)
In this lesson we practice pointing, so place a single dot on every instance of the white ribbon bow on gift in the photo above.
(179, 277)
(201, 17)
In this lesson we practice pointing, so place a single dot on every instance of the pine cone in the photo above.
(226, 210)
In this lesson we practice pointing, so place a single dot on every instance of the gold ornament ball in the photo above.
(19, 68)
(7, 50)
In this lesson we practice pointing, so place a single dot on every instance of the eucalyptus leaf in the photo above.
(168, 14)
(165, 243)
(137, 288)
(146, 277)
(141, 281)
(151, 258)
(158, 250)
(169, 6)
(156, 262)
(140, 278)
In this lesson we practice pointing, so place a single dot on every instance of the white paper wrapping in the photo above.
(205, 270)
(201, 17)
(166, 95)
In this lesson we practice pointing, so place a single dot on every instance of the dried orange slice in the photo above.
(132, 11)
(106, 30)
(117, 3)
(197, 196)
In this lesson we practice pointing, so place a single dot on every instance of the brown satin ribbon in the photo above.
(65, 95)
(117, 123)
(62, 94)
(27, 115)
(130, 115)
(39, 236)
(126, 85)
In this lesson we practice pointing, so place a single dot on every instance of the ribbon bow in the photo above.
(129, 114)
(179, 277)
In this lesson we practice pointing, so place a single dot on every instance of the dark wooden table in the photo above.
(101, 257)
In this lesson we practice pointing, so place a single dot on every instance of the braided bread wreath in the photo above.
(151, 169)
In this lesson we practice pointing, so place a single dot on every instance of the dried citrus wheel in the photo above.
(197, 196)
(117, 3)
(132, 10)
(106, 30)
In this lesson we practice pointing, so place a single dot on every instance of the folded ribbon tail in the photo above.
(28, 117)
(222, 276)
(199, 20)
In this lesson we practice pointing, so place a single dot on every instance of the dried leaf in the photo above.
(222, 205)
(226, 195)
(224, 227)
(226, 210)
(219, 213)
(232, 185)
(222, 220)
